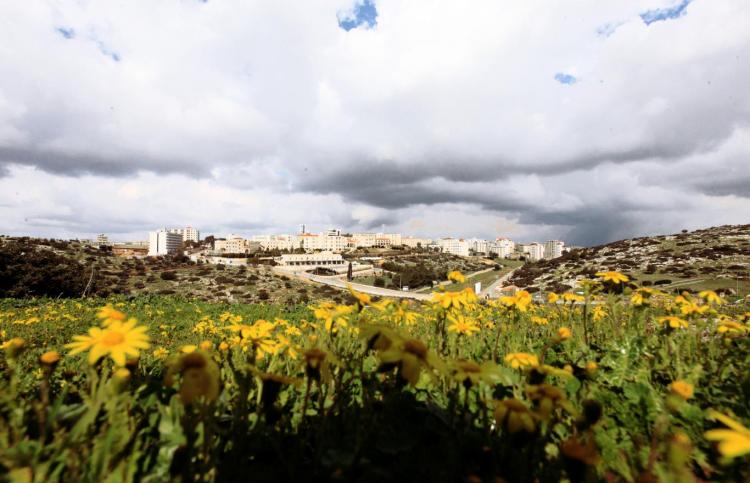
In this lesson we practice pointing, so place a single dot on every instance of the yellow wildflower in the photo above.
(552, 298)
(462, 325)
(117, 340)
(564, 333)
(520, 301)
(456, 276)
(521, 360)
(539, 320)
(672, 322)
(614, 277)
(710, 297)
(109, 314)
(733, 442)
(160, 353)
(682, 389)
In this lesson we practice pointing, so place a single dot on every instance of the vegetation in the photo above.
(56, 268)
(638, 385)
(716, 259)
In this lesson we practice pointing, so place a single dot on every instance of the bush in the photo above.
(168, 275)
(263, 295)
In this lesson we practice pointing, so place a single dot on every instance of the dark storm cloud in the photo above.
(68, 164)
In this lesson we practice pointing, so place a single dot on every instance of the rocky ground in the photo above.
(715, 258)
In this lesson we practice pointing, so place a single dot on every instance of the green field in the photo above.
(452, 390)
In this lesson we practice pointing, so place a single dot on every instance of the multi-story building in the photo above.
(553, 248)
(311, 260)
(188, 233)
(532, 251)
(236, 244)
(502, 247)
(479, 246)
(364, 240)
(455, 246)
(163, 242)
(414, 242)
(102, 239)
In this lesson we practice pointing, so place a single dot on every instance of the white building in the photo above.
(502, 247)
(307, 261)
(479, 246)
(364, 240)
(163, 242)
(455, 246)
(533, 251)
(414, 242)
(553, 248)
(102, 239)
(188, 233)
(236, 245)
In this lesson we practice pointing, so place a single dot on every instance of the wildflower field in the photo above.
(619, 384)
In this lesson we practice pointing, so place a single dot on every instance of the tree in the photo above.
(349, 272)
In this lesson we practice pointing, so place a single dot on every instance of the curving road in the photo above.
(334, 281)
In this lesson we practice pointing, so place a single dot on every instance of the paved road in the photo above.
(368, 289)
(490, 289)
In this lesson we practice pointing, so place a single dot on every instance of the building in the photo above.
(188, 233)
(102, 239)
(235, 244)
(129, 250)
(502, 247)
(414, 242)
(479, 246)
(533, 251)
(364, 240)
(163, 242)
(553, 248)
(305, 261)
(454, 246)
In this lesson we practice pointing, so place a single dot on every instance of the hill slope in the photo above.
(715, 258)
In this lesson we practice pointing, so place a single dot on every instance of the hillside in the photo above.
(39, 267)
(715, 258)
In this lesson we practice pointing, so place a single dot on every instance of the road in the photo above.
(490, 289)
(368, 289)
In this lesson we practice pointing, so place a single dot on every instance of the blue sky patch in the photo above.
(565, 78)
(364, 12)
(68, 33)
(668, 13)
(607, 29)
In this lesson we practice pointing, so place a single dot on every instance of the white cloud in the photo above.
(265, 115)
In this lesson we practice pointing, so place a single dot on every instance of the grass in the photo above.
(414, 392)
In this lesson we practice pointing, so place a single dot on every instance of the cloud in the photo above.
(363, 13)
(565, 78)
(668, 13)
(363, 114)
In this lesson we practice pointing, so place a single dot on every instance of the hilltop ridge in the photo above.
(716, 258)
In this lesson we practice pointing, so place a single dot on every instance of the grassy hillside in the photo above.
(38, 267)
(715, 258)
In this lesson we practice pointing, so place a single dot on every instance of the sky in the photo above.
(584, 120)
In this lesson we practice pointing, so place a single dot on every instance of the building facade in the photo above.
(454, 246)
(163, 242)
(553, 248)
(188, 233)
(311, 260)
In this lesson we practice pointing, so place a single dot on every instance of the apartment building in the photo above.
(455, 246)
(102, 239)
(553, 248)
(236, 245)
(163, 242)
(414, 242)
(502, 247)
(188, 233)
(533, 251)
